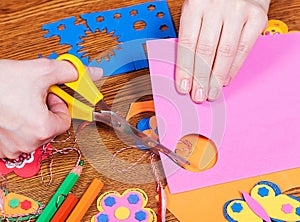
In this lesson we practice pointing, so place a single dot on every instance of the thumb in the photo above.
(64, 71)
(59, 119)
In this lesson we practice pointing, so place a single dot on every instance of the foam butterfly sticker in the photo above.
(265, 203)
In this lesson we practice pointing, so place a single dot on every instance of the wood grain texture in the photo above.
(22, 38)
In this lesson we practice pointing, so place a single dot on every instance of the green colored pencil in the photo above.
(63, 190)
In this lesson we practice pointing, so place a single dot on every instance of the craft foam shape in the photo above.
(267, 196)
(149, 127)
(255, 123)
(128, 207)
(27, 165)
(124, 25)
(18, 207)
(131, 56)
(140, 107)
(207, 204)
(143, 124)
(69, 33)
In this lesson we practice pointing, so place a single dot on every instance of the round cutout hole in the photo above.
(139, 25)
(133, 12)
(160, 15)
(199, 150)
(151, 7)
(61, 27)
(163, 27)
(100, 19)
(117, 16)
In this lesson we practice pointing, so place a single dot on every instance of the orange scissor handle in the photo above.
(84, 86)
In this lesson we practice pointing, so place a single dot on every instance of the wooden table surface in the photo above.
(22, 38)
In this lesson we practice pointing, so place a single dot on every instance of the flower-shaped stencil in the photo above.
(128, 207)
(27, 165)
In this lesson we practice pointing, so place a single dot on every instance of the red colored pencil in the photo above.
(65, 209)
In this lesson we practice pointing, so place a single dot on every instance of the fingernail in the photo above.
(213, 93)
(185, 86)
(95, 72)
(200, 95)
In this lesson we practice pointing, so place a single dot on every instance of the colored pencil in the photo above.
(85, 201)
(65, 209)
(63, 190)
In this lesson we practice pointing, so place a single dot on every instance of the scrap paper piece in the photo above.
(254, 124)
(27, 165)
(140, 107)
(265, 202)
(131, 26)
(207, 204)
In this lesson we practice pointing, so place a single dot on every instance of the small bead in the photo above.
(81, 163)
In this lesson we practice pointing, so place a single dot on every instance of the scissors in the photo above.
(79, 110)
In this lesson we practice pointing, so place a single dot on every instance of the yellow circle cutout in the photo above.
(122, 213)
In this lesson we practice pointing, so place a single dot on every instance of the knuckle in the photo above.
(190, 4)
(258, 11)
(234, 69)
(187, 42)
(66, 126)
(243, 48)
(46, 66)
(259, 16)
(11, 155)
(184, 70)
(201, 79)
(44, 132)
(263, 17)
(27, 149)
(226, 50)
(219, 78)
(261, 20)
(205, 49)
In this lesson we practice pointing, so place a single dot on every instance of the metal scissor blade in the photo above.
(102, 105)
(112, 119)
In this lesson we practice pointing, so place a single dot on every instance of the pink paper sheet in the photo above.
(255, 124)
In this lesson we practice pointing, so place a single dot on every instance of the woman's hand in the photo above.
(215, 37)
(29, 117)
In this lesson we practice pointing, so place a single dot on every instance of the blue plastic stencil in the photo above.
(132, 25)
